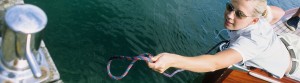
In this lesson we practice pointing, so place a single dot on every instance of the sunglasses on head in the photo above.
(238, 13)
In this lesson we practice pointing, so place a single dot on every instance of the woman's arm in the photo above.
(202, 63)
(277, 14)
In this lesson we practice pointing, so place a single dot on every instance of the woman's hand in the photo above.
(163, 61)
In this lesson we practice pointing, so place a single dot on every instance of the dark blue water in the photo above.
(81, 35)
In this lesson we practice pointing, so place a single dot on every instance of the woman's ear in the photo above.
(255, 20)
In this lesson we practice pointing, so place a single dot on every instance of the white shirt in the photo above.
(260, 47)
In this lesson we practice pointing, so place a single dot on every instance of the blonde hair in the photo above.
(260, 7)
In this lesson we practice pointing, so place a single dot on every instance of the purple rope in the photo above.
(144, 57)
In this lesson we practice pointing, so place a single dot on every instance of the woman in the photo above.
(252, 43)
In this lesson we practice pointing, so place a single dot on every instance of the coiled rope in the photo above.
(145, 57)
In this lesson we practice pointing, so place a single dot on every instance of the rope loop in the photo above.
(145, 57)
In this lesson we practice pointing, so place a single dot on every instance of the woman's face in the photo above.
(240, 16)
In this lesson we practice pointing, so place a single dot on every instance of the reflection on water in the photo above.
(81, 35)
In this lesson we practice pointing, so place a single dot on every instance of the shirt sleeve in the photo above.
(247, 48)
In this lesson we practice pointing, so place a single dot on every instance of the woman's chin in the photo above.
(227, 26)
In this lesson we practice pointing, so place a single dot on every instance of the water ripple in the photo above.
(81, 35)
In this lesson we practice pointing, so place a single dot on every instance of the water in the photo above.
(81, 35)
